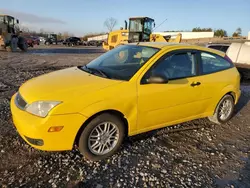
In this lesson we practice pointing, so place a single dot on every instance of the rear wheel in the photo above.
(102, 137)
(224, 110)
(22, 44)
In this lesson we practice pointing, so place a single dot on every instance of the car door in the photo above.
(175, 101)
(216, 73)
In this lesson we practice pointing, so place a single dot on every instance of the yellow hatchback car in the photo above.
(131, 89)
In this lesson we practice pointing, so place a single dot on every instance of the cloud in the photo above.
(31, 18)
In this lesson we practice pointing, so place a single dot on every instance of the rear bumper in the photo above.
(34, 130)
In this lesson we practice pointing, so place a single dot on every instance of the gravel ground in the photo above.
(208, 156)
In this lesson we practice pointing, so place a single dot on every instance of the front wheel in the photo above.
(102, 137)
(224, 110)
(22, 44)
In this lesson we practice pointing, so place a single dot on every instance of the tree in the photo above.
(110, 23)
(238, 32)
(60, 36)
(220, 33)
(198, 29)
(65, 35)
(235, 34)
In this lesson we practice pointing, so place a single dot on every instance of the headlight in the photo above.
(41, 108)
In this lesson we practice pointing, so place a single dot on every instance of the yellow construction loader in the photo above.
(140, 30)
(10, 34)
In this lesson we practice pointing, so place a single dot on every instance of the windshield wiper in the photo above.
(93, 70)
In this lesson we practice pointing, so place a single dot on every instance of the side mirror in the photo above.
(157, 79)
(154, 24)
(17, 21)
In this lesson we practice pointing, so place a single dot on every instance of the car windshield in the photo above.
(148, 26)
(136, 25)
(1, 19)
(120, 63)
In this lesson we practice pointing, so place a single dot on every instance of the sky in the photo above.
(81, 17)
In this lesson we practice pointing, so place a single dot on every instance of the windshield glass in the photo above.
(148, 26)
(122, 62)
(1, 19)
(135, 25)
(11, 21)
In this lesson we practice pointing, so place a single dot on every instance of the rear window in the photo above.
(213, 63)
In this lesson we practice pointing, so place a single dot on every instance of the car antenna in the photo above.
(160, 24)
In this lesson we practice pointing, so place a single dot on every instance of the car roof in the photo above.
(169, 45)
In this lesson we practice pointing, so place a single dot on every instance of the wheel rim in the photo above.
(103, 138)
(225, 109)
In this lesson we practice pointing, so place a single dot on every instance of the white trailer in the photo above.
(99, 37)
(239, 53)
(188, 35)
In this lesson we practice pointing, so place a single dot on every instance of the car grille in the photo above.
(20, 102)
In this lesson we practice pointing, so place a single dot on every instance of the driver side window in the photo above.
(176, 66)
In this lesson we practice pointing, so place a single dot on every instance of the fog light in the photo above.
(55, 129)
(37, 142)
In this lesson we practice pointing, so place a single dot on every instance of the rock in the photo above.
(67, 179)
(99, 186)
(164, 171)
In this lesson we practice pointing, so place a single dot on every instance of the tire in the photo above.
(217, 118)
(90, 129)
(23, 45)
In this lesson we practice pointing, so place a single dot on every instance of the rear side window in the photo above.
(211, 63)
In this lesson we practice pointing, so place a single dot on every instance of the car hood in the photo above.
(63, 85)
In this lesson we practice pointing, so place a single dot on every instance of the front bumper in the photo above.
(34, 129)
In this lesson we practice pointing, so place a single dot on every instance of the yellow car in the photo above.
(131, 89)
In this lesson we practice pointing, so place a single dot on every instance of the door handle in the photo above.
(195, 84)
